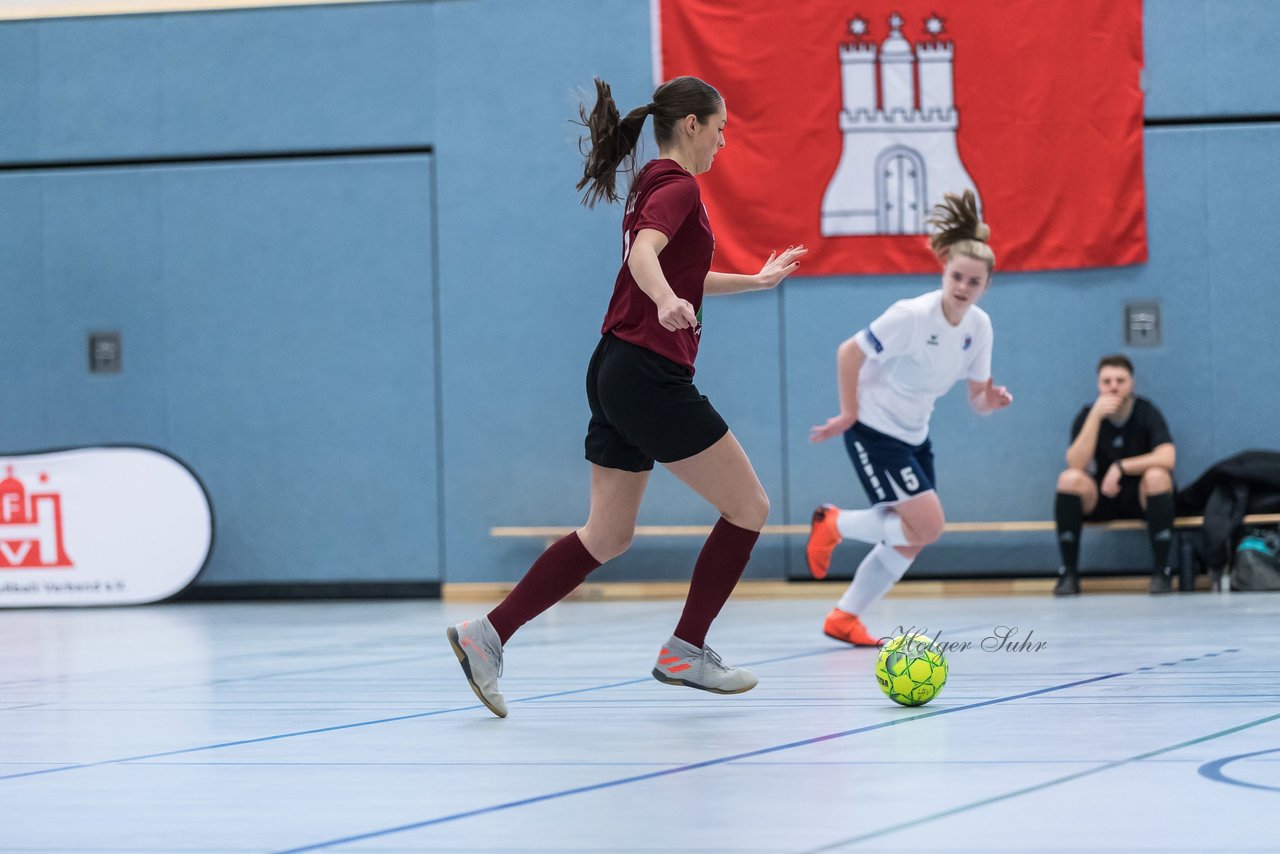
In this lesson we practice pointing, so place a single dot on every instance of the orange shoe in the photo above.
(823, 539)
(845, 627)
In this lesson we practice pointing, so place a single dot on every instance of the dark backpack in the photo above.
(1256, 564)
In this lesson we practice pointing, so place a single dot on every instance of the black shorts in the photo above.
(645, 407)
(891, 471)
(1126, 505)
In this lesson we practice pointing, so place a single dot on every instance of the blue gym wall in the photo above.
(357, 292)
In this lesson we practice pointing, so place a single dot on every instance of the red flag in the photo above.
(848, 120)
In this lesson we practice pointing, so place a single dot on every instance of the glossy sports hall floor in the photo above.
(1141, 724)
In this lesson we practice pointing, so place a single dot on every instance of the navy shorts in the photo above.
(891, 471)
(1127, 504)
(645, 407)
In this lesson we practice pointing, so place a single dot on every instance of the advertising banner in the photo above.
(99, 526)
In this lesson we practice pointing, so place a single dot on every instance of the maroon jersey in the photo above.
(664, 197)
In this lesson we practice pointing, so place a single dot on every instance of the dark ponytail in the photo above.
(613, 140)
(958, 229)
(613, 137)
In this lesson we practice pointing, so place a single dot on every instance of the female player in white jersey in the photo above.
(890, 374)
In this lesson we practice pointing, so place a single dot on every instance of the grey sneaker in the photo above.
(681, 663)
(480, 653)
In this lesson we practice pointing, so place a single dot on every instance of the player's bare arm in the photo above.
(1161, 456)
(986, 398)
(1081, 450)
(673, 313)
(849, 359)
(776, 268)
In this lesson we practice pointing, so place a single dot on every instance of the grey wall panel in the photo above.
(280, 79)
(302, 364)
(278, 329)
(20, 89)
(101, 88)
(103, 271)
(260, 80)
(1243, 319)
(24, 380)
(526, 272)
(1211, 58)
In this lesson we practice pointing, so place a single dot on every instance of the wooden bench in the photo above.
(550, 533)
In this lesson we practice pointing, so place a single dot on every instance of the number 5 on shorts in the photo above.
(909, 479)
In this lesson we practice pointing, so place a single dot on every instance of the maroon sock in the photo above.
(719, 566)
(553, 576)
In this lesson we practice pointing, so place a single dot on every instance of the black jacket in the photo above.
(1248, 482)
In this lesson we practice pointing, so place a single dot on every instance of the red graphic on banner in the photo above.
(849, 119)
(30, 527)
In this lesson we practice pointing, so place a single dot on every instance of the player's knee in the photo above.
(616, 547)
(605, 546)
(1072, 480)
(751, 513)
(1156, 480)
(929, 532)
(762, 509)
(924, 529)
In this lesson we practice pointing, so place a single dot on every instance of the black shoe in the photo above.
(1068, 584)
(1161, 582)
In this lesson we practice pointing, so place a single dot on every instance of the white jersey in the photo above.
(914, 356)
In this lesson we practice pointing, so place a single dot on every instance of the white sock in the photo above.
(880, 570)
(876, 525)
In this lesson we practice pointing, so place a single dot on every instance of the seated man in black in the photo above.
(1119, 466)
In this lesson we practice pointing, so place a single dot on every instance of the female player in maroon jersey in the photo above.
(644, 405)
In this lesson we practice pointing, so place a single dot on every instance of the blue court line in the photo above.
(283, 673)
(303, 651)
(854, 840)
(709, 763)
(750, 754)
(395, 719)
(337, 647)
(358, 724)
(363, 644)
(241, 742)
(1213, 770)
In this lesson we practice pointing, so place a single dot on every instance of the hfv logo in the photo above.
(899, 120)
(30, 526)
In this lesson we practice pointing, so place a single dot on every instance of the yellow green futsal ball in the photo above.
(911, 670)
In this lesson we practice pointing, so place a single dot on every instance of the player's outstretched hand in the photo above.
(778, 267)
(836, 426)
(996, 396)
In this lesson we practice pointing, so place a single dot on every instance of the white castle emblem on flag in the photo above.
(900, 152)
(30, 527)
